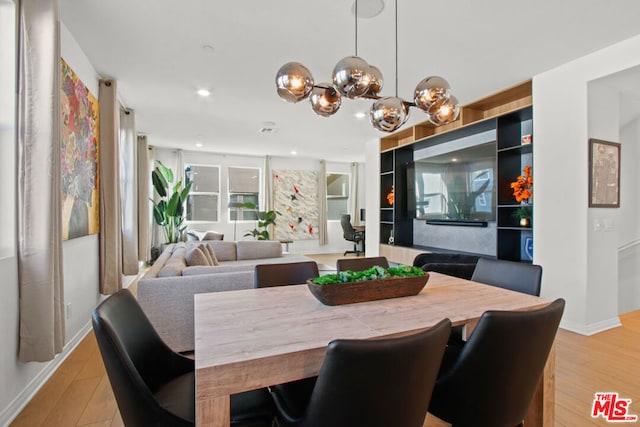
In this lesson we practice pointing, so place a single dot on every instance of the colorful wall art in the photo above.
(295, 196)
(79, 157)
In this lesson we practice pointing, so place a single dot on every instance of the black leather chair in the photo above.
(452, 264)
(490, 381)
(374, 383)
(515, 276)
(350, 234)
(152, 384)
(291, 273)
(359, 264)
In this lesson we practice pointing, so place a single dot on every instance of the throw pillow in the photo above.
(212, 235)
(209, 249)
(195, 256)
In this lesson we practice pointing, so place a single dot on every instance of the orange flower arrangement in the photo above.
(523, 185)
(390, 196)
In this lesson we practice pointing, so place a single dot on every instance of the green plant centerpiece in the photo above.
(523, 214)
(373, 273)
(168, 210)
(265, 220)
(375, 283)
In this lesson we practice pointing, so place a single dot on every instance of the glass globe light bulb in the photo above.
(376, 82)
(444, 111)
(294, 82)
(325, 100)
(351, 76)
(388, 114)
(430, 90)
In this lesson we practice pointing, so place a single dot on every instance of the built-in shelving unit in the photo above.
(515, 151)
(509, 112)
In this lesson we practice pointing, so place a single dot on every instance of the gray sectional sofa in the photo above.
(166, 290)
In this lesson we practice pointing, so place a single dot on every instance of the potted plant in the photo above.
(265, 220)
(168, 211)
(523, 213)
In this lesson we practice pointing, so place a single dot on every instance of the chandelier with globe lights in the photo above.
(354, 78)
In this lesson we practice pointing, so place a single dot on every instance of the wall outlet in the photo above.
(597, 225)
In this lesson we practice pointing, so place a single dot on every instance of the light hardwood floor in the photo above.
(78, 393)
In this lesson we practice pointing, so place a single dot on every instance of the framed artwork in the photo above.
(79, 157)
(604, 174)
(295, 196)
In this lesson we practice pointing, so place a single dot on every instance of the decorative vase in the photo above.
(524, 222)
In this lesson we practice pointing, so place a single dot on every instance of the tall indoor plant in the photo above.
(168, 211)
(266, 219)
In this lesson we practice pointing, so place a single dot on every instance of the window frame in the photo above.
(204, 193)
(240, 212)
(347, 198)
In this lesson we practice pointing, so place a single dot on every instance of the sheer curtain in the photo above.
(144, 217)
(268, 191)
(322, 204)
(353, 197)
(39, 217)
(110, 210)
(129, 191)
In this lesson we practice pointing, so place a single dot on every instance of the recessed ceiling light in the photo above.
(199, 144)
(204, 93)
(294, 152)
(360, 115)
(368, 8)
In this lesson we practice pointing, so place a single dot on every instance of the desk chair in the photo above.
(360, 264)
(152, 384)
(374, 383)
(490, 381)
(350, 234)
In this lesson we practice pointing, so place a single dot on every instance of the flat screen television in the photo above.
(457, 185)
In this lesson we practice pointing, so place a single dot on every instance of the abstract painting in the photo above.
(295, 196)
(79, 157)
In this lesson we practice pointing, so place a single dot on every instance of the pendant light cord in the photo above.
(356, 26)
(396, 11)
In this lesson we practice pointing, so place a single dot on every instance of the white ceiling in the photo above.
(155, 50)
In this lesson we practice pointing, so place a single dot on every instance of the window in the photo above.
(203, 201)
(7, 124)
(337, 195)
(244, 187)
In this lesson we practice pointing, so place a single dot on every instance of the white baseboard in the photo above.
(592, 328)
(25, 396)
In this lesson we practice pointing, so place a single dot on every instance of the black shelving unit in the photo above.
(514, 241)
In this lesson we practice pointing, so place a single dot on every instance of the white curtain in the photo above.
(39, 216)
(144, 217)
(322, 204)
(128, 191)
(353, 197)
(268, 190)
(110, 210)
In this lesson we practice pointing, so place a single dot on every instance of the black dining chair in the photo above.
(491, 380)
(514, 276)
(153, 385)
(360, 264)
(374, 383)
(290, 273)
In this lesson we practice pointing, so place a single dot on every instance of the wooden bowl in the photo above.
(370, 290)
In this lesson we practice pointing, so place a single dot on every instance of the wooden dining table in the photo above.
(255, 338)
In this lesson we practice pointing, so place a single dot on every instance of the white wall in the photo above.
(336, 242)
(577, 261)
(628, 229)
